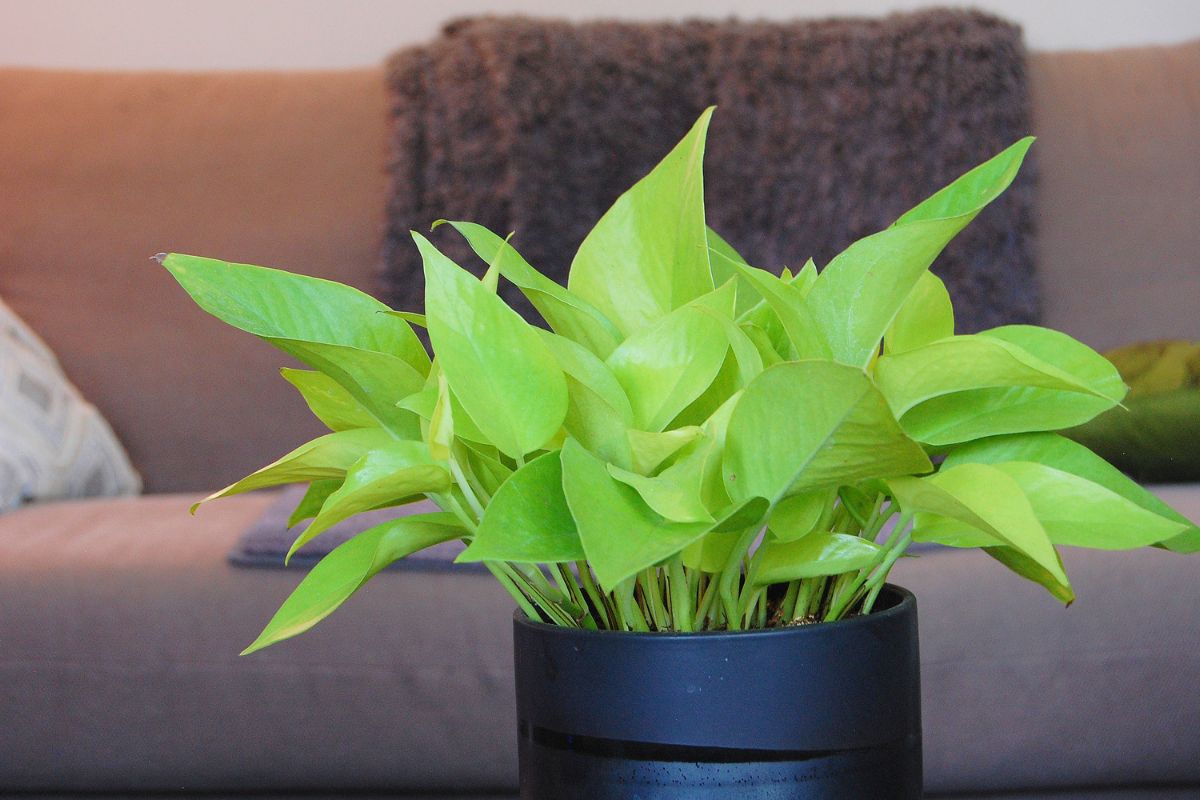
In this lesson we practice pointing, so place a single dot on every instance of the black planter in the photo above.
(820, 711)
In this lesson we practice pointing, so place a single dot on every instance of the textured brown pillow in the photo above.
(826, 131)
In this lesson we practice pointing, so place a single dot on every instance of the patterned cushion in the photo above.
(53, 443)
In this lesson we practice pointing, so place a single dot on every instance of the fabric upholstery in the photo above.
(98, 172)
(123, 618)
(826, 131)
(1118, 247)
(53, 443)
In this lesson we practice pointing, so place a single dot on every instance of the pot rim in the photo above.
(905, 604)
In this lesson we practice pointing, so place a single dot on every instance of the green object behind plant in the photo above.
(1156, 436)
(695, 443)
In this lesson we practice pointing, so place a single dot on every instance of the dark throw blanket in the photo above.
(825, 131)
(266, 543)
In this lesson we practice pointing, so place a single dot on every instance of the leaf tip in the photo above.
(159, 257)
(254, 647)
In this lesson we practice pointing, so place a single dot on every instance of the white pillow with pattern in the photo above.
(53, 443)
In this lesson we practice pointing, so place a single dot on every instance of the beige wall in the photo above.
(317, 34)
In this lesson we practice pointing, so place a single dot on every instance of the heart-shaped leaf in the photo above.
(567, 314)
(528, 520)
(809, 557)
(327, 456)
(390, 474)
(987, 500)
(648, 254)
(497, 365)
(926, 316)
(665, 366)
(808, 425)
(350, 565)
(376, 380)
(891, 262)
(1008, 380)
(621, 535)
(1068, 456)
(328, 401)
(274, 305)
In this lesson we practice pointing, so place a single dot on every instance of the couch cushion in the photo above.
(99, 171)
(119, 635)
(121, 623)
(1119, 192)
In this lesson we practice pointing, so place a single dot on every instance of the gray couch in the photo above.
(120, 620)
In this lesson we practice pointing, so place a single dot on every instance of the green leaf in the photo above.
(667, 365)
(987, 500)
(926, 316)
(497, 365)
(676, 493)
(809, 425)
(411, 317)
(278, 305)
(725, 269)
(325, 457)
(797, 516)
(350, 565)
(424, 404)
(375, 380)
(567, 314)
(711, 552)
(788, 303)
(387, 475)
(314, 498)
(933, 388)
(1068, 456)
(762, 343)
(812, 556)
(440, 436)
(584, 367)
(862, 289)
(651, 448)
(1048, 362)
(1029, 569)
(328, 401)
(598, 412)
(648, 254)
(528, 520)
(1076, 512)
(620, 533)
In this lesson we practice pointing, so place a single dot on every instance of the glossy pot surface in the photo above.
(816, 711)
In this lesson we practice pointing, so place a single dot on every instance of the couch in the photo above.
(120, 619)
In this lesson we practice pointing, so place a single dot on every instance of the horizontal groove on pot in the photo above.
(651, 751)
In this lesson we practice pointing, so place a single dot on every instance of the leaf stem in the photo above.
(681, 596)
(729, 576)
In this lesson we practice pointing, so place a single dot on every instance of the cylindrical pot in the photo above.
(814, 711)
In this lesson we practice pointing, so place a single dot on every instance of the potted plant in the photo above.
(694, 483)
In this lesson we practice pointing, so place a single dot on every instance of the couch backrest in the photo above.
(100, 171)
(1118, 154)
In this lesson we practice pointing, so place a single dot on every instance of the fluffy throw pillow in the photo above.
(53, 444)
(1156, 437)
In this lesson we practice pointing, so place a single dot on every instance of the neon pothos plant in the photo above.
(694, 443)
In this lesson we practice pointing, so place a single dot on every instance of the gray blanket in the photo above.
(825, 132)
(266, 543)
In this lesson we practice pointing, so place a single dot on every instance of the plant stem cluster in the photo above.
(672, 597)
